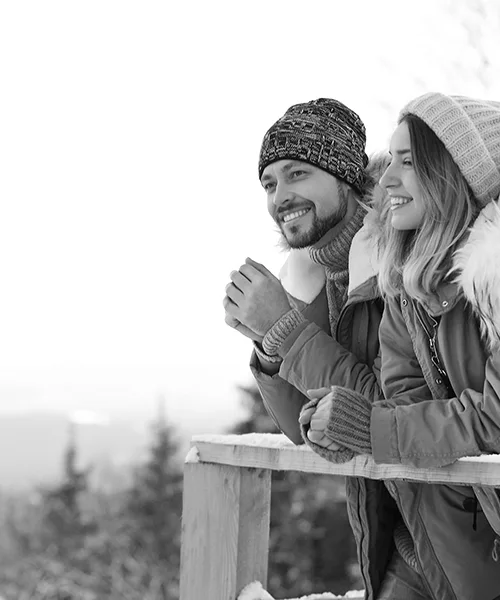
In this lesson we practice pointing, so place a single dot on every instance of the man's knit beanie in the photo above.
(470, 130)
(324, 133)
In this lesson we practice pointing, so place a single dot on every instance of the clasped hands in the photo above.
(255, 299)
(316, 418)
(337, 419)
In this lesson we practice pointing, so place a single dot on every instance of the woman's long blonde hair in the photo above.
(418, 260)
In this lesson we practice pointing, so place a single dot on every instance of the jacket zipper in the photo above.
(437, 363)
(347, 307)
(432, 337)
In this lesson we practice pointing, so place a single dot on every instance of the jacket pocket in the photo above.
(490, 503)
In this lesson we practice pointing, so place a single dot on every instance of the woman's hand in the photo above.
(317, 418)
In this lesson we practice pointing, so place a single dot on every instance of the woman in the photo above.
(440, 350)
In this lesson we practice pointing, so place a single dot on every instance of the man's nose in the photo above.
(282, 194)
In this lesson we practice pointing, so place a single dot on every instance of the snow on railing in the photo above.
(226, 505)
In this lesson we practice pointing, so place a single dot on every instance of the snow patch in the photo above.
(483, 458)
(269, 440)
(355, 595)
(255, 591)
(193, 456)
(278, 440)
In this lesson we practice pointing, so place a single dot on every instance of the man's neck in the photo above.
(352, 208)
(332, 251)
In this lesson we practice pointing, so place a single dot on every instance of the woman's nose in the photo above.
(388, 177)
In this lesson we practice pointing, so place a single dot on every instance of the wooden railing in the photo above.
(226, 506)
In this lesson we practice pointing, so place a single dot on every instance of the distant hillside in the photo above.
(32, 447)
(32, 442)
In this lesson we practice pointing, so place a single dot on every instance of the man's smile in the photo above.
(292, 215)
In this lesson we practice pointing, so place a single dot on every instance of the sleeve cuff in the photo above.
(278, 333)
(349, 420)
(263, 356)
(384, 435)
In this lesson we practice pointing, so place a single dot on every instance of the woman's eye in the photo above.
(407, 162)
(297, 173)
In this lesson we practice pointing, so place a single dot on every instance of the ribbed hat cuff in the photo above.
(446, 117)
(352, 176)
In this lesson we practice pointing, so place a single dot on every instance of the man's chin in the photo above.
(295, 241)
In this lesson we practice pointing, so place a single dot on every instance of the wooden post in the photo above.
(225, 530)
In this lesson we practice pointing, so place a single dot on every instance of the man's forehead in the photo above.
(282, 166)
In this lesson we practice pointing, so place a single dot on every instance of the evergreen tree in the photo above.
(154, 505)
(64, 524)
(76, 543)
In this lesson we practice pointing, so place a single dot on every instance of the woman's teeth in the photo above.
(295, 215)
(397, 201)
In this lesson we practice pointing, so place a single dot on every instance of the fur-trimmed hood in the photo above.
(363, 257)
(477, 265)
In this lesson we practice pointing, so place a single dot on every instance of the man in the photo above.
(318, 326)
(313, 167)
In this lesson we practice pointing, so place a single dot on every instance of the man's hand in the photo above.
(317, 418)
(255, 299)
(235, 324)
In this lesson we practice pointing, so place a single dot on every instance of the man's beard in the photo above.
(318, 228)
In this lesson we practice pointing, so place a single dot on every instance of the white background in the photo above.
(129, 138)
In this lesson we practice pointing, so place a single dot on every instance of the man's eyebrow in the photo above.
(290, 165)
(284, 169)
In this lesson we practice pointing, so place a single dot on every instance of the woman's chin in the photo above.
(401, 224)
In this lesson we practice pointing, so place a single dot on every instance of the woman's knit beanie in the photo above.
(322, 132)
(470, 130)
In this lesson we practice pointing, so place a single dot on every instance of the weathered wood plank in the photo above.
(254, 518)
(225, 530)
(209, 532)
(276, 452)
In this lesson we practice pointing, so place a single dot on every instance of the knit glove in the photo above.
(348, 425)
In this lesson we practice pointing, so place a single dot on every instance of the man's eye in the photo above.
(268, 187)
(297, 173)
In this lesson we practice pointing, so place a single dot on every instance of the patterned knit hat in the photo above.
(470, 131)
(322, 132)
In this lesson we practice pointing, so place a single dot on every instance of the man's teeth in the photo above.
(295, 215)
(397, 200)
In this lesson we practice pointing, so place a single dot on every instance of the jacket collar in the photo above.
(445, 298)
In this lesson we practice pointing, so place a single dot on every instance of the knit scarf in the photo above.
(334, 257)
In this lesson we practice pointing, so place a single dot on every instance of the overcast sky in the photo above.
(129, 138)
